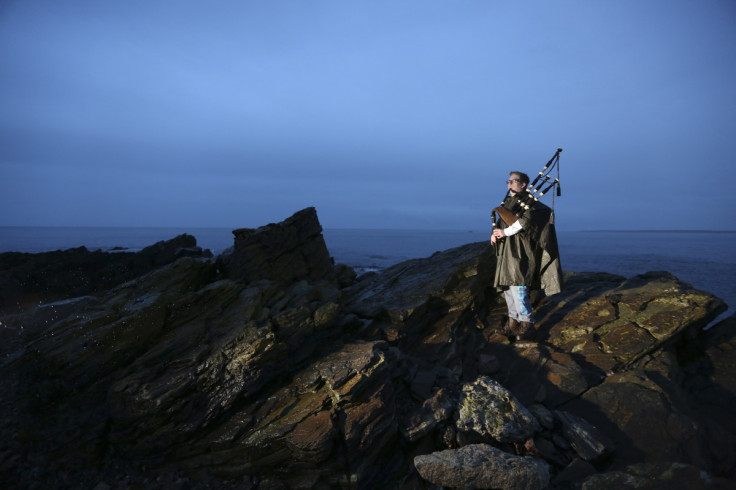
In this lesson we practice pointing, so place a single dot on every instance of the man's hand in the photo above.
(498, 234)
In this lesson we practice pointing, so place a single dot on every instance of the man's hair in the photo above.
(522, 176)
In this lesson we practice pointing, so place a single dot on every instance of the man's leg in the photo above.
(523, 304)
(523, 312)
(510, 296)
(512, 325)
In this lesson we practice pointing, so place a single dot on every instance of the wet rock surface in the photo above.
(270, 367)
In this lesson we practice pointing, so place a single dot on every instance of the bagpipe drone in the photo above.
(525, 200)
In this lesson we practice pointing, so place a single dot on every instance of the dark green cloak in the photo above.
(531, 256)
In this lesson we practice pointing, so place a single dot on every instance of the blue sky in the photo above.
(381, 114)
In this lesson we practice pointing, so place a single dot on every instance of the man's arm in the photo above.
(499, 233)
(513, 229)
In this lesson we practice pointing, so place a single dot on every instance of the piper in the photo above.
(528, 255)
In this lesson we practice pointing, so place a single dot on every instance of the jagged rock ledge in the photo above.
(270, 367)
(27, 279)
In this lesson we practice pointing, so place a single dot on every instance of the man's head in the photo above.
(517, 182)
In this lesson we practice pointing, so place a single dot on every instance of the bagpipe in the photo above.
(524, 200)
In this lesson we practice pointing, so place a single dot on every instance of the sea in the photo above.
(704, 259)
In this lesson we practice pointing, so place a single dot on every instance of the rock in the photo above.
(546, 450)
(166, 251)
(346, 275)
(401, 290)
(545, 418)
(540, 373)
(708, 378)
(316, 426)
(482, 466)
(614, 329)
(272, 368)
(488, 364)
(488, 409)
(28, 280)
(574, 473)
(284, 252)
(649, 419)
(709, 367)
(675, 476)
(587, 441)
(265, 332)
(439, 408)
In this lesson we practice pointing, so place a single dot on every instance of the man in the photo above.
(528, 257)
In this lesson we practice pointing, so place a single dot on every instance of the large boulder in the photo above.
(483, 466)
(489, 409)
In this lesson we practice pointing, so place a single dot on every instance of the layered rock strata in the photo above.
(271, 367)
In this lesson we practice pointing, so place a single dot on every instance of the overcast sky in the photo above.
(381, 114)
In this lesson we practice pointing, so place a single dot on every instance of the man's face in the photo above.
(515, 184)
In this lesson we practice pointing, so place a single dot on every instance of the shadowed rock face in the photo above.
(270, 367)
(29, 279)
(286, 252)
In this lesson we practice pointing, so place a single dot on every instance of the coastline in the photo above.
(704, 260)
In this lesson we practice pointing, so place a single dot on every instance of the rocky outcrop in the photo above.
(29, 279)
(271, 367)
(290, 251)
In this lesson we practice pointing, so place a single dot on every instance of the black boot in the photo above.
(511, 327)
(525, 331)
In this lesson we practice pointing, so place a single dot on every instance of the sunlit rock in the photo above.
(482, 466)
(488, 409)
(614, 329)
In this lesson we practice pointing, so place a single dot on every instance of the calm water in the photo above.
(704, 259)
